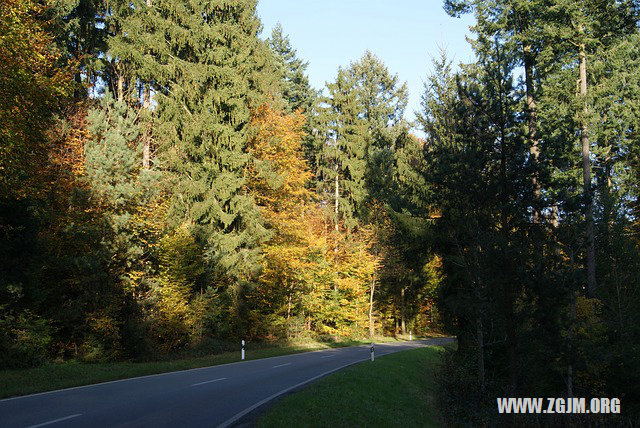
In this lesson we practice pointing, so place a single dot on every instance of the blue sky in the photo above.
(405, 34)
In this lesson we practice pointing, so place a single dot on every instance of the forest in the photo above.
(169, 178)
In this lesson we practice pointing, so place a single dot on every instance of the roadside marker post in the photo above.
(242, 356)
(410, 336)
(372, 352)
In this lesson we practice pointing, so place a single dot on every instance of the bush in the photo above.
(459, 398)
(24, 340)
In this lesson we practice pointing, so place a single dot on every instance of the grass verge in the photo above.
(54, 376)
(396, 390)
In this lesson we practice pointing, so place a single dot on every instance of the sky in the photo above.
(405, 34)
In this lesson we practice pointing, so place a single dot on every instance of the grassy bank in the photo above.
(69, 374)
(395, 390)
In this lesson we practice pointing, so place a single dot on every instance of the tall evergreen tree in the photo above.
(296, 91)
(534, 130)
(381, 102)
(132, 62)
(519, 24)
(365, 109)
(211, 70)
(112, 168)
(580, 31)
(81, 33)
(381, 96)
(342, 160)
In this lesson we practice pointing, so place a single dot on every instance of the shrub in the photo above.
(24, 340)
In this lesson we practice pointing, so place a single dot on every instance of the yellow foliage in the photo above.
(308, 270)
(32, 83)
(174, 316)
(280, 174)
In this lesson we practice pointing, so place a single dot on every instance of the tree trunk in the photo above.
(146, 104)
(480, 349)
(146, 142)
(371, 326)
(532, 131)
(120, 83)
(508, 283)
(586, 174)
(607, 206)
(336, 212)
(337, 202)
(80, 90)
(571, 332)
(403, 324)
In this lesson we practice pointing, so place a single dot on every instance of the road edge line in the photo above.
(66, 418)
(17, 397)
(250, 409)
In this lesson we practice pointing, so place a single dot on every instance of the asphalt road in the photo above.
(206, 397)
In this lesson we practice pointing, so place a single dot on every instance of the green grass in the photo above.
(396, 390)
(73, 373)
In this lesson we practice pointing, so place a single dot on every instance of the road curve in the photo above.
(205, 397)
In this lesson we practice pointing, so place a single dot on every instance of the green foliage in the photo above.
(207, 193)
(296, 90)
(81, 35)
(360, 127)
(175, 318)
(24, 339)
(342, 156)
(203, 115)
(112, 156)
(515, 252)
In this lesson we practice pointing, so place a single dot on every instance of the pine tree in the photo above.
(296, 91)
(362, 124)
(81, 34)
(580, 31)
(211, 70)
(382, 101)
(520, 25)
(342, 161)
(112, 168)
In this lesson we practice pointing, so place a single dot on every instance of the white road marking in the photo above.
(20, 397)
(327, 356)
(177, 372)
(208, 381)
(281, 365)
(55, 420)
(249, 409)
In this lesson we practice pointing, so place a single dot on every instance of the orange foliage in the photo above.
(278, 179)
(280, 174)
(66, 155)
(31, 86)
